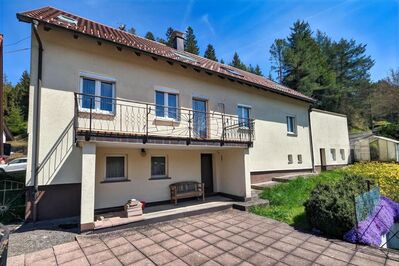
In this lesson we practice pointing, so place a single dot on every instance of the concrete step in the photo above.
(261, 186)
(287, 178)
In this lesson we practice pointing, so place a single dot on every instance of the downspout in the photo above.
(311, 139)
(36, 119)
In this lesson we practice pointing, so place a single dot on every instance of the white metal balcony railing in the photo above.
(105, 116)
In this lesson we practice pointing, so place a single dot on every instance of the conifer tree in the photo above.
(150, 36)
(190, 42)
(210, 53)
(236, 62)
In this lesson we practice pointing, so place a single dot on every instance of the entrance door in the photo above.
(323, 159)
(207, 172)
(199, 119)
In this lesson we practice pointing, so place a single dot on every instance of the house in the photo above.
(114, 116)
(367, 146)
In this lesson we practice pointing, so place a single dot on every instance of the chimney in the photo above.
(178, 40)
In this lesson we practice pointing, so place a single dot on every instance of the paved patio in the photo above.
(228, 237)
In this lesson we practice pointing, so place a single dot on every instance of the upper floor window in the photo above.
(291, 124)
(166, 104)
(97, 94)
(243, 116)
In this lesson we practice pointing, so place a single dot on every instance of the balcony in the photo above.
(100, 118)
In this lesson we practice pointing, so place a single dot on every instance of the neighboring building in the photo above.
(114, 116)
(369, 147)
(330, 139)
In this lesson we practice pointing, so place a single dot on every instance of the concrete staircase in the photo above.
(279, 180)
(255, 201)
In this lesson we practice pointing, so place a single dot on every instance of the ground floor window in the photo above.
(342, 151)
(115, 167)
(158, 167)
(333, 154)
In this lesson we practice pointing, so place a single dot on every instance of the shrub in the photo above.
(330, 207)
(385, 174)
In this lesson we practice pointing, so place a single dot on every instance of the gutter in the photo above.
(311, 139)
(36, 119)
(28, 19)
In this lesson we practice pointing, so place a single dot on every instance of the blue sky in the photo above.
(248, 27)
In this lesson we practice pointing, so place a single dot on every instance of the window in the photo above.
(232, 71)
(342, 152)
(333, 154)
(291, 125)
(290, 159)
(102, 91)
(115, 167)
(158, 166)
(166, 104)
(243, 116)
(299, 158)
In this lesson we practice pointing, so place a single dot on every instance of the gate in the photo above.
(12, 201)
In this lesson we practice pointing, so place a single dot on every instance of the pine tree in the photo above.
(258, 71)
(150, 36)
(190, 42)
(15, 121)
(277, 57)
(169, 36)
(236, 62)
(132, 30)
(21, 94)
(222, 61)
(210, 53)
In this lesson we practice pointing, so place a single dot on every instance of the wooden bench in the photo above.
(187, 189)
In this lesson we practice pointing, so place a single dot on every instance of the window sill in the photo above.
(115, 181)
(291, 134)
(96, 112)
(160, 178)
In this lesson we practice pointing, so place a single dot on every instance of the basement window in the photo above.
(67, 19)
(333, 154)
(290, 159)
(342, 152)
(299, 158)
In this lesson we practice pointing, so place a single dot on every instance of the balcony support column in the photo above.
(88, 186)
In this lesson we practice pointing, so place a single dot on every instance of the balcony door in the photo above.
(199, 119)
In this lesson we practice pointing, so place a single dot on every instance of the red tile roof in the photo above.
(50, 16)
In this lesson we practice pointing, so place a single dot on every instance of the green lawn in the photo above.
(286, 200)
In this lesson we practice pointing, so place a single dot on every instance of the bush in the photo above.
(385, 174)
(330, 207)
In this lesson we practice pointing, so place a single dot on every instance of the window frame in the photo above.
(110, 179)
(294, 125)
(249, 108)
(98, 79)
(158, 177)
(299, 158)
(342, 153)
(167, 92)
(333, 153)
(290, 159)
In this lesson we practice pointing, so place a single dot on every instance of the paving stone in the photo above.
(116, 242)
(185, 238)
(211, 238)
(170, 243)
(356, 260)
(199, 233)
(274, 235)
(273, 253)
(188, 228)
(234, 229)
(305, 254)
(248, 234)
(181, 250)
(197, 244)
(195, 258)
(225, 245)
(45, 254)
(259, 259)
(151, 249)
(160, 237)
(254, 245)
(313, 247)
(144, 262)
(319, 241)
(177, 262)
(211, 251)
(223, 233)
(283, 246)
(292, 240)
(141, 243)
(162, 257)
(100, 257)
(111, 262)
(95, 249)
(135, 237)
(69, 256)
(381, 257)
(227, 259)
(211, 229)
(242, 252)
(294, 260)
(175, 232)
(77, 262)
(44, 262)
(123, 249)
(131, 257)
(67, 247)
(237, 239)
(88, 241)
(211, 263)
(16, 260)
(336, 254)
(264, 240)
(325, 260)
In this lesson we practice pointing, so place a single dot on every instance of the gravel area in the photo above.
(25, 238)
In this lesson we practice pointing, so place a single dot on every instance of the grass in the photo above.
(287, 199)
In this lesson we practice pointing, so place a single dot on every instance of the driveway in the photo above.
(221, 238)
